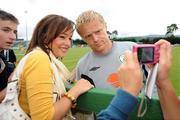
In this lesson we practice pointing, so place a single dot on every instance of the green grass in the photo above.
(70, 60)
(73, 55)
(175, 69)
(19, 54)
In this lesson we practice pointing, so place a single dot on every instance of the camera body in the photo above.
(147, 53)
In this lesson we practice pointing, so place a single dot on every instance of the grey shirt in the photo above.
(99, 67)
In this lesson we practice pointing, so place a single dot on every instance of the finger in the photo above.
(135, 57)
(128, 57)
(92, 86)
(162, 41)
(169, 51)
(150, 66)
(163, 53)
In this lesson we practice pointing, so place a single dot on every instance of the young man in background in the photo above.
(8, 33)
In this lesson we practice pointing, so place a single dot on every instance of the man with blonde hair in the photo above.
(106, 55)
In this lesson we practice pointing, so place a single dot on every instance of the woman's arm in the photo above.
(39, 89)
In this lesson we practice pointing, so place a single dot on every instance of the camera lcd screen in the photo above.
(145, 54)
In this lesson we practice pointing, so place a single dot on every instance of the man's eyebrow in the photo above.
(6, 27)
(93, 32)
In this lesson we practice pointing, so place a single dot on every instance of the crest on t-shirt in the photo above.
(121, 58)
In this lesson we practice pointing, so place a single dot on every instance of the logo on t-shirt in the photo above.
(94, 68)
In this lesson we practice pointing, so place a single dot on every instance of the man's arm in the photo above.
(120, 107)
(170, 103)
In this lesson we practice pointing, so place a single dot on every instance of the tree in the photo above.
(115, 32)
(112, 34)
(109, 33)
(171, 29)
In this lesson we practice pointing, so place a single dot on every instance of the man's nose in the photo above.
(13, 36)
(94, 37)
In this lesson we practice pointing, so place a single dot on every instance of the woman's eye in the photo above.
(62, 37)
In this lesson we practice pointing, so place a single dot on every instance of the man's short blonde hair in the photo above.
(89, 16)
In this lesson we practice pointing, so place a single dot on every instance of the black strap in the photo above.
(3, 74)
(87, 78)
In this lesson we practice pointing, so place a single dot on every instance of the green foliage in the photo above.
(150, 39)
(173, 39)
(171, 29)
(78, 42)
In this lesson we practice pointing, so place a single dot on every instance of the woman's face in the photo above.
(61, 44)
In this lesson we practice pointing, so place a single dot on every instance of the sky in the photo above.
(128, 17)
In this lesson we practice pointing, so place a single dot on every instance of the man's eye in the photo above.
(99, 31)
(15, 32)
(87, 36)
(6, 30)
(70, 39)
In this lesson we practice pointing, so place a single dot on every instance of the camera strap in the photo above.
(147, 93)
(143, 102)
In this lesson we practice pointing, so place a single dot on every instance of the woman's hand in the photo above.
(2, 94)
(80, 87)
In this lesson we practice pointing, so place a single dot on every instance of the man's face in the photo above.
(94, 33)
(8, 31)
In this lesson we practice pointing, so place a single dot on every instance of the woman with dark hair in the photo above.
(43, 76)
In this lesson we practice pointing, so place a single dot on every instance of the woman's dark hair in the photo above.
(47, 30)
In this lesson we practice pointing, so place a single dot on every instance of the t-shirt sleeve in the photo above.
(77, 72)
(39, 87)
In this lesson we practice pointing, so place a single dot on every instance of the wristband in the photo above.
(73, 100)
